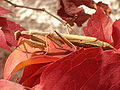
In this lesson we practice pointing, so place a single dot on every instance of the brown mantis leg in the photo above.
(47, 48)
(20, 39)
(66, 41)
(55, 41)
(25, 49)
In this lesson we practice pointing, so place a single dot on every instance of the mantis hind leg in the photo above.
(65, 40)
(25, 49)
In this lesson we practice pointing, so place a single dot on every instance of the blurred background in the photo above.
(34, 20)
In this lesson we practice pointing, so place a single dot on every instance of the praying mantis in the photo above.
(59, 39)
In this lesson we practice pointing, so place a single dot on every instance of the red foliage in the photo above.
(32, 76)
(62, 69)
(99, 26)
(72, 13)
(71, 72)
(110, 71)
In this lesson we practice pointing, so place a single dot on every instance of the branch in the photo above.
(36, 9)
(43, 10)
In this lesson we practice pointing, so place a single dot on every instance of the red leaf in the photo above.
(18, 60)
(116, 33)
(16, 57)
(108, 75)
(110, 71)
(29, 71)
(70, 12)
(8, 85)
(71, 72)
(9, 27)
(70, 7)
(29, 77)
(4, 11)
(81, 18)
(3, 43)
(99, 26)
(84, 71)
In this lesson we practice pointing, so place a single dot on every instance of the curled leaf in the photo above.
(71, 12)
(18, 60)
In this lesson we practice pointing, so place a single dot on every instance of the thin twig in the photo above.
(40, 9)
(36, 9)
